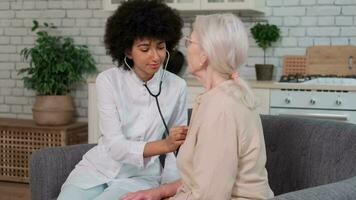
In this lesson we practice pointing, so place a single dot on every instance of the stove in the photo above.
(319, 103)
(332, 81)
(318, 79)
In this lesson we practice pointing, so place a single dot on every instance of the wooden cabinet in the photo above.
(203, 5)
(19, 138)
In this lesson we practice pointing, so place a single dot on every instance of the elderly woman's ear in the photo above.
(203, 60)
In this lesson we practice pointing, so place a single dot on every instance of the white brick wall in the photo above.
(308, 22)
(303, 23)
(83, 20)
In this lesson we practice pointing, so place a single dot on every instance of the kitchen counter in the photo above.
(192, 82)
(322, 101)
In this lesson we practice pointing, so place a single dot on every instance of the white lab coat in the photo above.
(128, 119)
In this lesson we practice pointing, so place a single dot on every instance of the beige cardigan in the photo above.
(224, 154)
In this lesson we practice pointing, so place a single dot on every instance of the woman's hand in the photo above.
(150, 194)
(176, 137)
(163, 192)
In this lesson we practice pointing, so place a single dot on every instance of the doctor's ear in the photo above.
(128, 53)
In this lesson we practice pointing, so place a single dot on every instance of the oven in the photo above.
(318, 102)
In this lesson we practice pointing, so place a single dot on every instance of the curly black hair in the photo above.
(141, 19)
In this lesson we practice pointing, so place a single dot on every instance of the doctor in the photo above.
(138, 101)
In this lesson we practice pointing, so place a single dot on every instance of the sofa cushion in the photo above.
(303, 153)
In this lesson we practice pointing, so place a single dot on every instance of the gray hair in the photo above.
(224, 40)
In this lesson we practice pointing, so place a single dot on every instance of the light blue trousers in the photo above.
(110, 191)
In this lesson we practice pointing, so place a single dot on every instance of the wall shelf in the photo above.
(256, 6)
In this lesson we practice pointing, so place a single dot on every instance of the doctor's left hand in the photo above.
(150, 194)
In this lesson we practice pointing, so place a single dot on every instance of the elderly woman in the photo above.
(223, 156)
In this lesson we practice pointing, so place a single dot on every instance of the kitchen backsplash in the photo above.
(303, 23)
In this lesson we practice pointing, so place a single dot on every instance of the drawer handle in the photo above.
(320, 116)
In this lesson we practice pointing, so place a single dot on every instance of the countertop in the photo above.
(192, 82)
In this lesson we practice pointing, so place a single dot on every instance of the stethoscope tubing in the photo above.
(166, 133)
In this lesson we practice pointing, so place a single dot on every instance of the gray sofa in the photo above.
(306, 159)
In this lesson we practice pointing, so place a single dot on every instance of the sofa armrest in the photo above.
(49, 168)
(342, 190)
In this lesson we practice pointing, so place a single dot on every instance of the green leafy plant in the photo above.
(265, 35)
(56, 63)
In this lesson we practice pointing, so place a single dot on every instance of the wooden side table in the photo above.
(19, 138)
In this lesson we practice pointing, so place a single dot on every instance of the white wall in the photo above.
(303, 23)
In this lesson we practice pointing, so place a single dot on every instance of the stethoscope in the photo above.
(165, 134)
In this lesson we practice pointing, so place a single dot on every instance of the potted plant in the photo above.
(56, 64)
(264, 35)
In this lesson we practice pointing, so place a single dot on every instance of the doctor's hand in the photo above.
(176, 137)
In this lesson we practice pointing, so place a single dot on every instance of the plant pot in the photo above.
(53, 110)
(264, 72)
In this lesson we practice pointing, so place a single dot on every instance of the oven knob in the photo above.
(287, 100)
(312, 101)
(338, 102)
